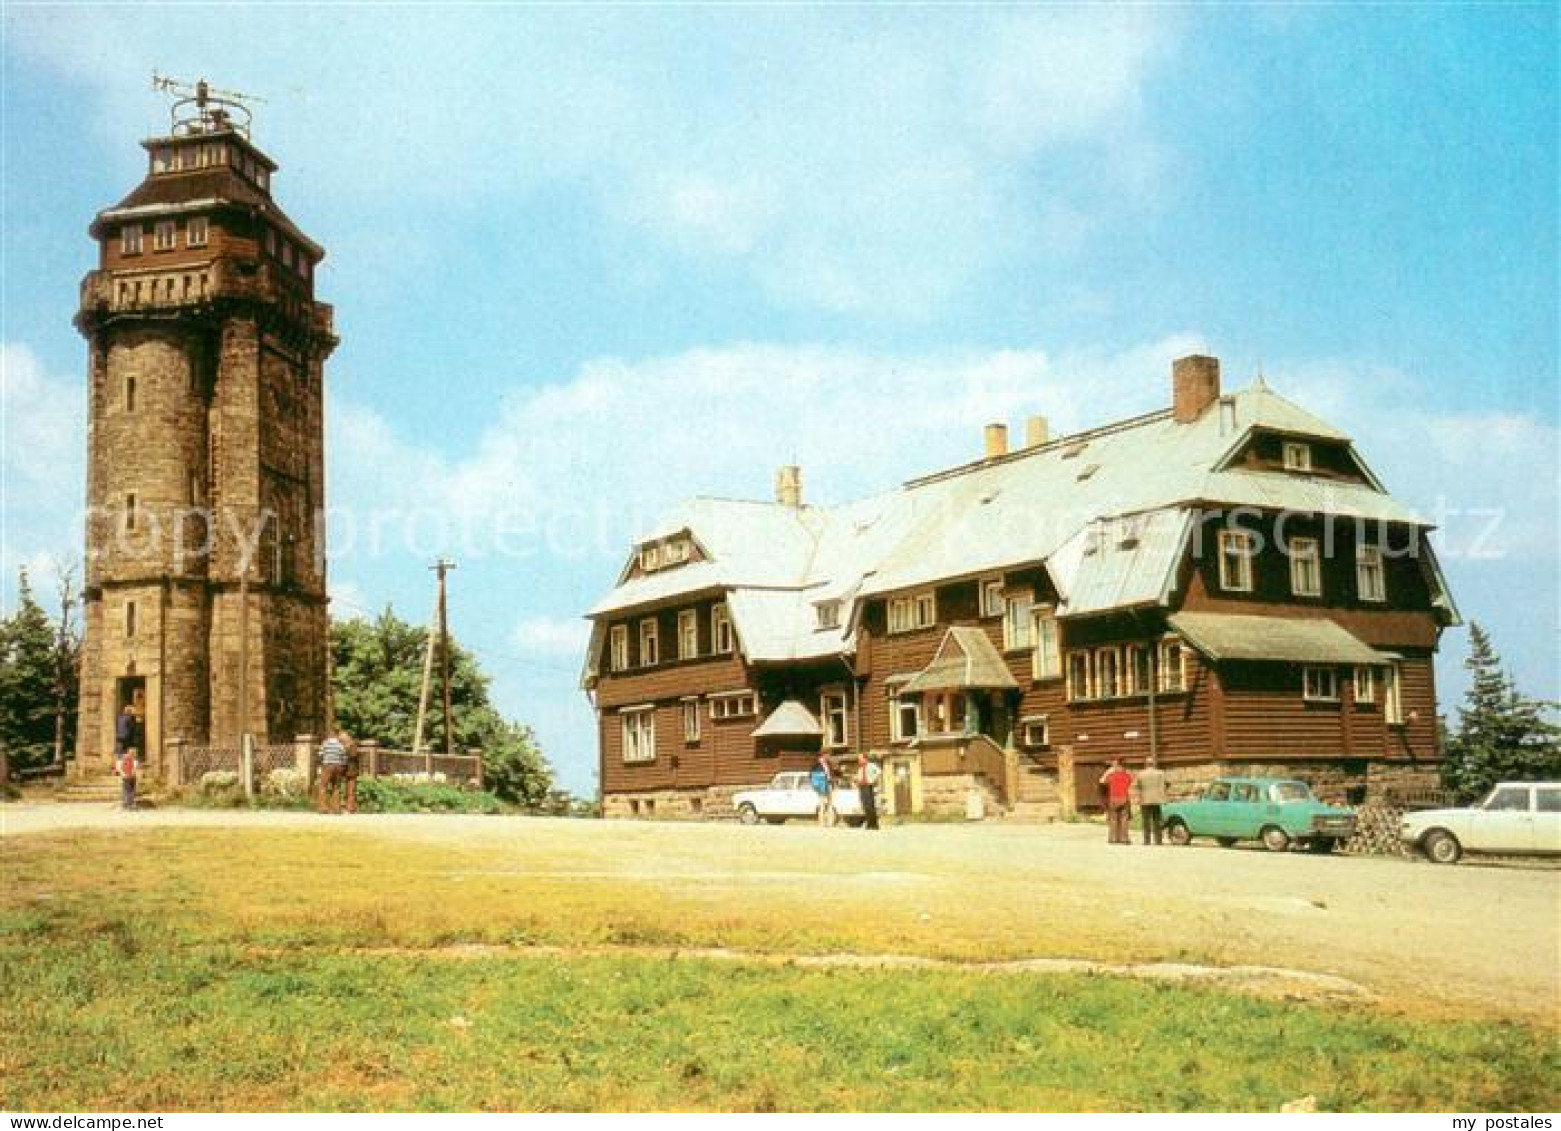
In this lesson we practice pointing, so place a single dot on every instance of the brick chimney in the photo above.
(1195, 385)
(996, 440)
(1036, 432)
(788, 486)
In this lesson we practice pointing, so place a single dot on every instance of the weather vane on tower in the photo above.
(202, 108)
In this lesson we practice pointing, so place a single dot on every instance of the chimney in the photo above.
(1036, 432)
(1195, 385)
(788, 486)
(996, 440)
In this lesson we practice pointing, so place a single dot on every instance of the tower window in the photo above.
(130, 618)
(130, 511)
(162, 159)
(130, 393)
(130, 239)
(164, 236)
(270, 241)
(195, 233)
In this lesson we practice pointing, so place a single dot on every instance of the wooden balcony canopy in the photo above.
(790, 720)
(1224, 636)
(966, 661)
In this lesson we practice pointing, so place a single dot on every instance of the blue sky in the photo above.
(588, 261)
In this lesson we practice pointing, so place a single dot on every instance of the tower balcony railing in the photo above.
(107, 293)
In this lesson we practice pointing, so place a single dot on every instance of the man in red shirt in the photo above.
(1119, 784)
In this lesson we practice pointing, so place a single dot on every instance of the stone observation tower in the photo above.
(205, 583)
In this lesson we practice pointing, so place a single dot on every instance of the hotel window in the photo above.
(827, 614)
(164, 236)
(618, 648)
(1108, 673)
(1236, 550)
(1392, 695)
(130, 239)
(1365, 684)
(688, 634)
(1035, 731)
(1298, 457)
(904, 717)
(1016, 622)
(1306, 579)
(1369, 580)
(721, 630)
(650, 654)
(1137, 673)
(691, 720)
(733, 705)
(906, 614)
(1173, 665)
(837, 730)
(639, 734)
(1079, 683)
(1320, 684)
(992, 602)
(195, 232)
(1048, 643)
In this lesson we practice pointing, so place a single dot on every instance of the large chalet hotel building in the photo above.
(1224, 584)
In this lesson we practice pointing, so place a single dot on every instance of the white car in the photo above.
(1516, 818)
(790, 794)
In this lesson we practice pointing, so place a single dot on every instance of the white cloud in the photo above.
(840, 158)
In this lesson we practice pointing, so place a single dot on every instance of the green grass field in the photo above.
(264, 969)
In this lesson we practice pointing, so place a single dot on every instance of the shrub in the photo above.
(285, 783)
(394, 795)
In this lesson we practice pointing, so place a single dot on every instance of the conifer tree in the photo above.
(29, 681)
(1502, 735)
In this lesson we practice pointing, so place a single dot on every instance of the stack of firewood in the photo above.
(1376, 830)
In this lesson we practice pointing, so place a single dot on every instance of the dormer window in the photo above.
(827, 614)
(650, 558)
(1298, 456)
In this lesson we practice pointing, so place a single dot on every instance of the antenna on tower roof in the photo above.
(203, 109)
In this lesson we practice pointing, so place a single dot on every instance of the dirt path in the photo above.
(1468, 938)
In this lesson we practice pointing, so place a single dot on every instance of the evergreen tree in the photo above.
(29, 681)
(377, 673)
(1502, 734)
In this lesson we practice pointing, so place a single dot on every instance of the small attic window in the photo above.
(1094, 541)
(827, 614)
(650, 558)
(1129, 532)
(1074, 450)
(1087, 471)
(1297, 456)
(1227, 415)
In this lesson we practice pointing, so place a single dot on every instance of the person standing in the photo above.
(1150, 785)
(823, 781)
(1119, 785)
(333, 769)
(127, 732)
(127, 765)
(867, 775)
(351, 770)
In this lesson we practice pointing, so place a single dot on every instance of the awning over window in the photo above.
(966, 661)
(1225, 636)
(790, 720)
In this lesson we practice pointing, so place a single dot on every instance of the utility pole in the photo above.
(441, 630)
(441, 567)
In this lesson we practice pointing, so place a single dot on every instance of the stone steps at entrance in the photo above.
(1034, 812)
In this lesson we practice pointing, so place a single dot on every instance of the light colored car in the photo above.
(790, 794)
(1517, 818)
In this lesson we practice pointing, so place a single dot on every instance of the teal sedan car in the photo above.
(1277, 811)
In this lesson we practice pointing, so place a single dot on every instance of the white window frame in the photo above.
(723, 639)
(926, 609)
(835, 714)
(1028, 735)
(688, 634)
(1047, 638)
(1371, 579)
(826, 614)
(913, 612)
(1236, 546)
(1172, 673)
(639, 734)
(130, 238)
(197, 231)
(1108, 660)
(691, 719)
(650, 643)
(1080, 663)
(165, 235)
(1365, 684)
(1319, 684)
(1131, 683)
(618, 648)
(733, 705)
(993, 601)
(1297, 456)
(1305, 554)
(1393, 695)
(899, 706)
(1016, 620)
